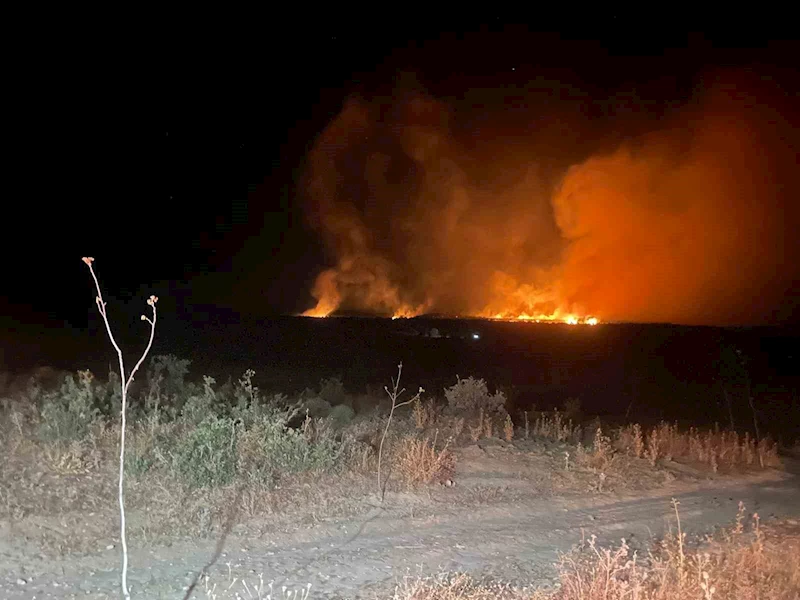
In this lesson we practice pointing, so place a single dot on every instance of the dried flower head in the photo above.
(88, 260)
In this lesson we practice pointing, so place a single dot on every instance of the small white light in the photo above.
(476, 336)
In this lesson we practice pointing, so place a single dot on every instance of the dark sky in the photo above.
(184, 174)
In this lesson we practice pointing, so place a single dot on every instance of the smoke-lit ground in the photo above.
(529, 202)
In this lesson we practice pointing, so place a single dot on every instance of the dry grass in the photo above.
(418, 462)
(600, 456)
(63, 479)
(737, 565)
(459, 586)
(555, 427)
(508, 429)
(714, 449)
(63, 482)
(424, 414)
(476, 431)
(631, 440)
(255, 589)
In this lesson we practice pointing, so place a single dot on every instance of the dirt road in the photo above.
(516, 540)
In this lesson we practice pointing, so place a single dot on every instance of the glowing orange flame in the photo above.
(326, 290)
(321, 310)
(556, 317)
(408, 312)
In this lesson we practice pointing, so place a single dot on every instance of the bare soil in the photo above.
(508, 515)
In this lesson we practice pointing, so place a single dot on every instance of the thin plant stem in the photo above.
(101, 306)
(394, 394)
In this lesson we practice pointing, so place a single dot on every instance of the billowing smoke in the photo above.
(433, 207)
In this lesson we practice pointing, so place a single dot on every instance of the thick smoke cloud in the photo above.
(429, 206)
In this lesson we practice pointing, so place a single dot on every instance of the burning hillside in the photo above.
(434, 207)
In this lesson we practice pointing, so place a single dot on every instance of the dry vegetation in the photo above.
(202, 453)
(419, 462)
(194, 451)
(735, 565)
(743, 562)
(202, 446)
(715, 448)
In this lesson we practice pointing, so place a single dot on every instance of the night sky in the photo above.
(232, 175)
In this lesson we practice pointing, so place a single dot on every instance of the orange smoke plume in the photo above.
(429, 207)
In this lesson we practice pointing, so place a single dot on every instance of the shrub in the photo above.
(601, 456)
(138, 460)
(152, 443)
(247, 405)
(419, 462)
(471, 395)
(331, 390)
(733, 565)
(166, 382)
(553, 426)
(199, 405)
(424, 414)
(313, 406)
(270, 449)
(715, 448)
(508, 429)
(68, 413)
(631, 440)
(206, 455)
(341, 416)
(110, 395)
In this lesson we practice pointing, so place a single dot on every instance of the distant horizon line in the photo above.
(442, 316)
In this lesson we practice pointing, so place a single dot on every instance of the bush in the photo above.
(247, 405)
(419, 462)
(471, 395)
(138, 461)
(206, 456)
(313, 406)
(199, 405)
(151, 444)
(341, 416)
(68, 413)
(166, 382)
(332, 391)
(110, 395)
(269, 448)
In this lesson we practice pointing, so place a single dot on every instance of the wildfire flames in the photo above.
(407, 313)
(568, 319)
(438, 208)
